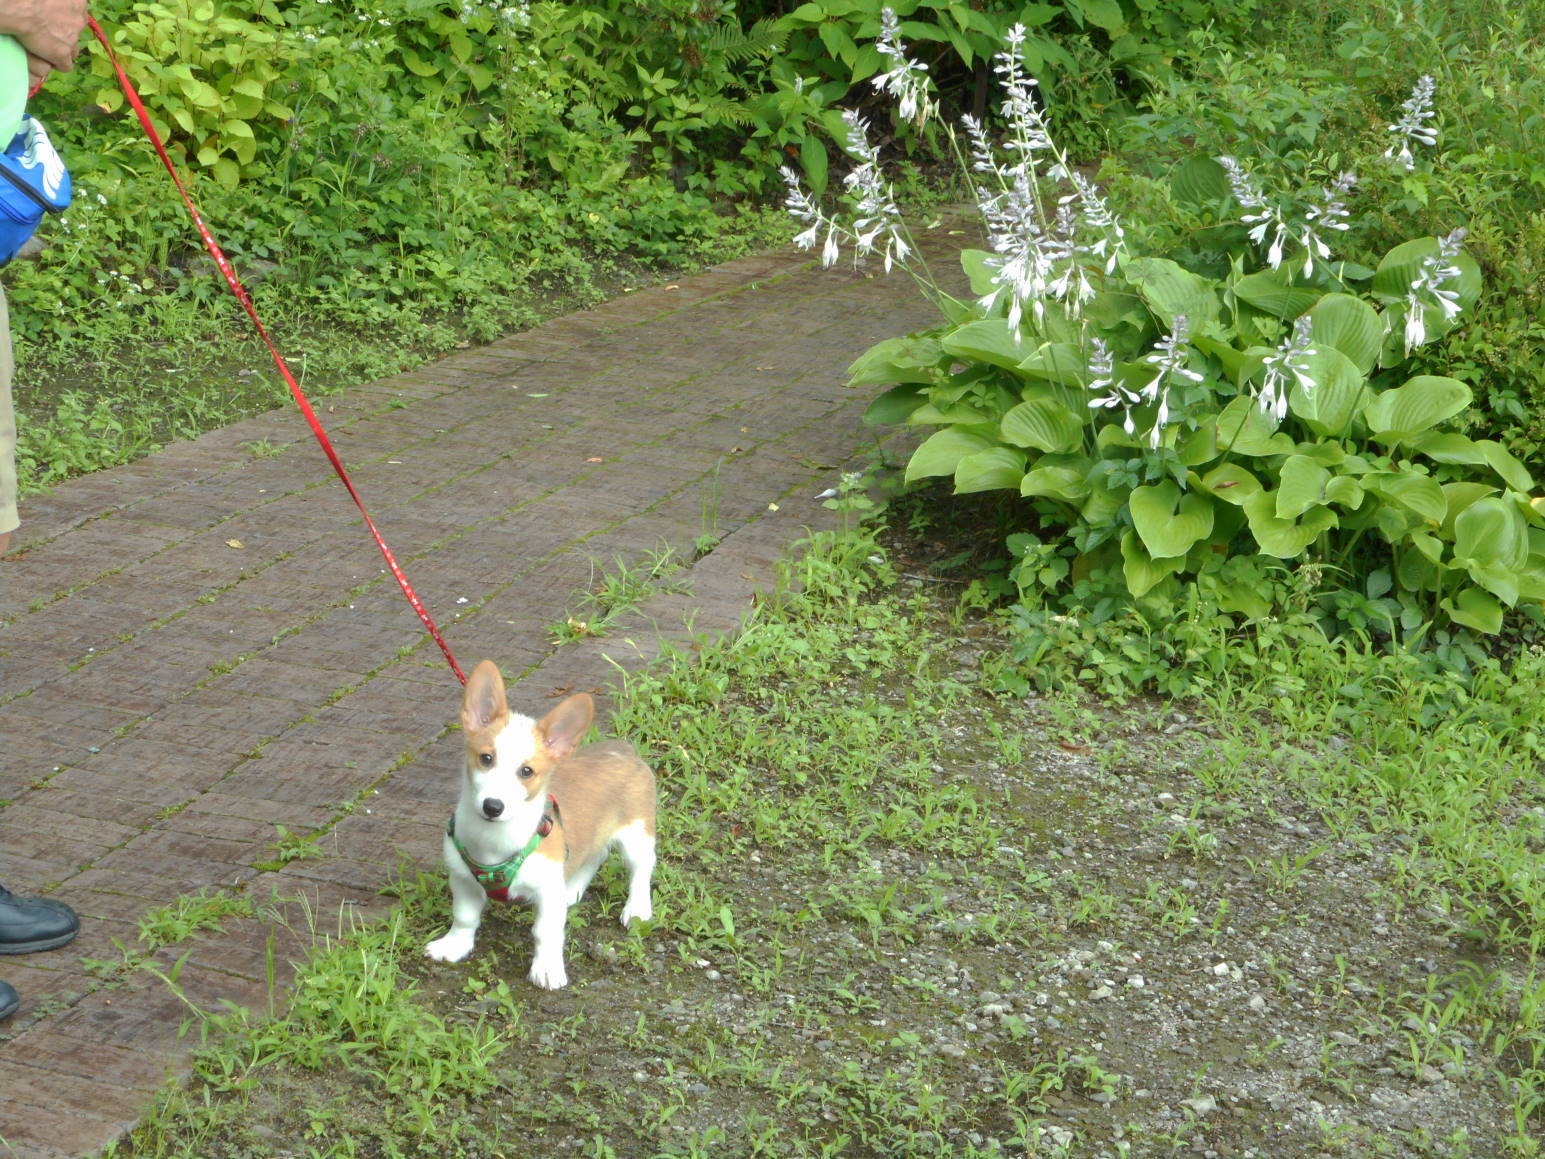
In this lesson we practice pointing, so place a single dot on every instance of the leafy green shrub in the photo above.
(1197, 416)
(1309, 109)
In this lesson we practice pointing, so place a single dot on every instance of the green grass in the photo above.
(865, 853)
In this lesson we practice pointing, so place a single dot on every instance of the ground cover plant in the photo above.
(898, 915)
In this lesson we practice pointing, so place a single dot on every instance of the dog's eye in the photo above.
(486, 760)
(527, 772)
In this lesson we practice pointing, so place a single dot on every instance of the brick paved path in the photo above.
(202, 646)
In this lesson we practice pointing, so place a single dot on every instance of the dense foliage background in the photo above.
(394, 177)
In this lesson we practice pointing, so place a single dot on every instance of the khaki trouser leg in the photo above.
(8, 517)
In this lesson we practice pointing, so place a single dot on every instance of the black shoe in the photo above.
(8, 1000)
(35, 923)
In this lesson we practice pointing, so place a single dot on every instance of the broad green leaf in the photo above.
(1269, 291)
(1059, 362)
(1497, 578)
(1062, 477)
(1169, 522)
(1395, 416)
(1237, 364)
(1244, 430)
(1458, 497)
(895, 405)
(1447, 447)
(1531, 580)
(1231, 483)
(814, 161)
(1284, 538)
(974, 263)
(1346, 491)
(1419, 571)
(910, 358)
(1513, 473)
(1491, 530)
(1349, 325)
(996, 468)
(987, 340)
(1301, 486)
(1171, 290)
(1143, 571)
(942, 451)
(1396, 274)
(1103, 14)
(1043, 424)
(1201, 181)
(1340, 393)
(1419, 494)
(1473, 608)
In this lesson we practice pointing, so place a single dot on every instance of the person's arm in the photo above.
(48, 29)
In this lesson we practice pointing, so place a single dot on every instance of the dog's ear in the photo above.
(483, 707)
(561, 728)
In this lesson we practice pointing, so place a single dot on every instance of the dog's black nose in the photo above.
(492, 807)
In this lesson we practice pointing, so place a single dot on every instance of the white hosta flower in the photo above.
(906, 80)
(1259, 214)
(876, 215)
(1417, 124)
(1286, 365)
(1431, 288)
(1330, 213)
(1028, 131)
(1170, 356)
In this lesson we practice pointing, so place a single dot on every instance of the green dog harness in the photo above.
(497, 879)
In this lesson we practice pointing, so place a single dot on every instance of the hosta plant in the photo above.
(1170, 417)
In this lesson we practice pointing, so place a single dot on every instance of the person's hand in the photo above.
(37, 72)
(47, 29)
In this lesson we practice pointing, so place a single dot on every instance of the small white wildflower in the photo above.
(1413, 126)
(1284, 366)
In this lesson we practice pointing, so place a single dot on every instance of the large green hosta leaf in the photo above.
(1044, 425)
(1244, 430)
(1340, 391)
(910, 358)
(1398, 415)
(1448, 447)
(995, 469)
(1349, 325)
(1172, 290)
(1301, 486)
(985, 340)
(1269, 291)
(1284, 538)
(1064, 477)
(1141, 570)
(1474, 609)
(1170, 522)
(942, 451)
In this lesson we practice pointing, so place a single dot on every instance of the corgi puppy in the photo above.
(536, 817)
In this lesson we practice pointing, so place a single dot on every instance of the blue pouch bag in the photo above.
(33, 181)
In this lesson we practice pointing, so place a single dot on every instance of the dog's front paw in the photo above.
(641, 910)
(549, 975)
(451, 948)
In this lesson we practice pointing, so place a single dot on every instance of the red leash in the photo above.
(295, 390)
